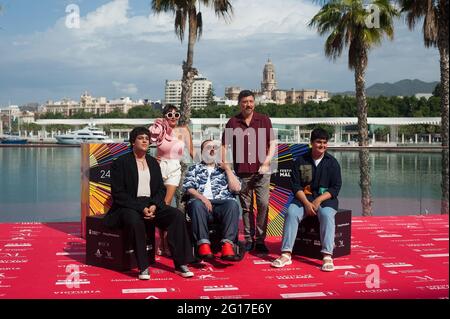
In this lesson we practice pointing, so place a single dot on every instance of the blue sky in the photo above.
(122, 49)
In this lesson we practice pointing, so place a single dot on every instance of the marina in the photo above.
(287, 130)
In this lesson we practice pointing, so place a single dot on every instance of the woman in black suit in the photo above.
(138, 193)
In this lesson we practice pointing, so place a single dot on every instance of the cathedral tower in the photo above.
(269, 82)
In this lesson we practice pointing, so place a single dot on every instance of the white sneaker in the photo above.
(184, 271)
(145, 274)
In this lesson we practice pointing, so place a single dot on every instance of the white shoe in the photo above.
(282, 261)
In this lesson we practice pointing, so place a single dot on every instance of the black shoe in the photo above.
(261, 248)
(249, 246)
(145, 274)
(184, 271)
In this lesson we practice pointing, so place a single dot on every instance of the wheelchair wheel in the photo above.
(239, 250)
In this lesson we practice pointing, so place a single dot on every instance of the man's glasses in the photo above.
(173, 115)
(211, 147)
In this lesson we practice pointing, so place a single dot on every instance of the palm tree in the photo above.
(186, 12)
(435, 33)
(350, 24)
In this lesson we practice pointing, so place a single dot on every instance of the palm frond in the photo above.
(334, 45)
(346, 22)
(163, 6)
(223, 8)
(428, 10)
(180, 23)
(199, 25)
(414, 10)
(357, 53)
(183, 8)
(430, 26)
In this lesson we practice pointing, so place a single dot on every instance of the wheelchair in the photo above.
(215, 236)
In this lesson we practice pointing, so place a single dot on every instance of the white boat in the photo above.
(89, 134)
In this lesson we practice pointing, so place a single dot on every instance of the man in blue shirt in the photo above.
(316, 181)
(211, 187)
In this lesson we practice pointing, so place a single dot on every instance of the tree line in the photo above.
(336, 106)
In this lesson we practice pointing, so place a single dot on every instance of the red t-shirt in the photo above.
(250, 143)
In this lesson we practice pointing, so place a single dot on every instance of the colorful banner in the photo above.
(96, 190)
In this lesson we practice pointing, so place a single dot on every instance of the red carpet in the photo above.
(409, 253)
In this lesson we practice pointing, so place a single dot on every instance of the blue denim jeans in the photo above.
(293, 218)
(225, 211)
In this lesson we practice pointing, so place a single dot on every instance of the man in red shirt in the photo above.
(251, 138)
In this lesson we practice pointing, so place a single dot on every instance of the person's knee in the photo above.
(178, 216)
(131, 218)
(326, 216)
(231, 206)
(294, 211)
(196, 208)
(196, 205)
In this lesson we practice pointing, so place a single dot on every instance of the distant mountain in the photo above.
(400, 88)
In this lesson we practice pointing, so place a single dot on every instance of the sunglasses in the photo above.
(174, 115)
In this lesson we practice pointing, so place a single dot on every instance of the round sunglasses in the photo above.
(171, 115)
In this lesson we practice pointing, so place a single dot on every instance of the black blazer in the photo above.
(124, 184)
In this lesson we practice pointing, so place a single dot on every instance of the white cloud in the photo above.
(143, 51)
(126, 88)
(109, 15)
(254, 17)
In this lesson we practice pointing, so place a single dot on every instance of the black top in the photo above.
(326, 177)
(124, 186)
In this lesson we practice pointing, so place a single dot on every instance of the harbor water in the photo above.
(43, 183)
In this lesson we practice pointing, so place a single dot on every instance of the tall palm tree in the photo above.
(349, 24)
(435, 33)
(186, 13)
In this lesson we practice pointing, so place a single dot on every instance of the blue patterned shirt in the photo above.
(197, 176)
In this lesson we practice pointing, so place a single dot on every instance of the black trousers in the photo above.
(168, 218)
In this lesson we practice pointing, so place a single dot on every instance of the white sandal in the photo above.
(327, 264)
(282, 261)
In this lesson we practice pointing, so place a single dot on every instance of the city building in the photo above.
(232, 92)
(13, 113)
(224, 101)
(270, 93)
(201, 90)
(90, 104)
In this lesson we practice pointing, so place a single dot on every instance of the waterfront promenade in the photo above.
(288, 130)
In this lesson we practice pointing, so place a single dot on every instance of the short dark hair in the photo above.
(245, 93)
(319, 133)
(138, 131)
(169, 107)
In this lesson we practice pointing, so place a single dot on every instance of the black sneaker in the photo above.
(249, 246)
(261, 248)
(145, 274)
(184, 271)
